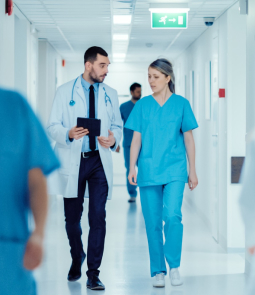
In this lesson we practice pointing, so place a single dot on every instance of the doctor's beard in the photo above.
(96, 79)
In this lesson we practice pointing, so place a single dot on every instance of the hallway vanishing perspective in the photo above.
(206, 267)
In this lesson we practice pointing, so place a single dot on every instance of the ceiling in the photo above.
(73, 26)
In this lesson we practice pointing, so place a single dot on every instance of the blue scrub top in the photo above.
(162, 157)
(23, 146)
(125, 110)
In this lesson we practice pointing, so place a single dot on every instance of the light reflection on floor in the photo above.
(206, 268)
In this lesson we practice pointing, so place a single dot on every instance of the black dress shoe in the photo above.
(75, 269)
(93, 283)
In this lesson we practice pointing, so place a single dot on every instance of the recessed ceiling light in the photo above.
(119, 55)
(118, 60)
(121, 37)
(122, 19)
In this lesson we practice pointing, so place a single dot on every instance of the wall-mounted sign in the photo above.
(169, 18)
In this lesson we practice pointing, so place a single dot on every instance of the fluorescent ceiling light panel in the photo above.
(172, 10)
(119, 55)
(120, 37)
(118, 60)
(122, 19)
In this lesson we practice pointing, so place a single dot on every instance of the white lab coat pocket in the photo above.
(64, 155)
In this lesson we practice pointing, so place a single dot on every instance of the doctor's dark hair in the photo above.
(165, 67)
(91, 54)
(134, 86)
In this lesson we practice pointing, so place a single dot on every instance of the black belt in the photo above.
(90, 154)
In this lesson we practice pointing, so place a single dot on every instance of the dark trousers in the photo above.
(91, 170)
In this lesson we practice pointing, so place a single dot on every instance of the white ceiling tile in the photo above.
(85, 23)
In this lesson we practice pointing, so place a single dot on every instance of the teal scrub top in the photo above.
(23, 146)
(125, 110)
(162, 157)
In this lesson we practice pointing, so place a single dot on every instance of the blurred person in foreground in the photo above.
(247, 205)
(25, 157)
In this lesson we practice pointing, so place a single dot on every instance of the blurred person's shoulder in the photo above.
(125, 104)
(12, 99)
(11, 96)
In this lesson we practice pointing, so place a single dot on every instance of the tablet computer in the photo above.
(93, 125)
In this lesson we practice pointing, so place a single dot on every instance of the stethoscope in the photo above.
(72, 102)
(107, 100)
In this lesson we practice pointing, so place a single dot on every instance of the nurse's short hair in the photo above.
(165, 67)
(91, 54)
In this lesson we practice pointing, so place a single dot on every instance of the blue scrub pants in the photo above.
(163, 202)
(131, 188)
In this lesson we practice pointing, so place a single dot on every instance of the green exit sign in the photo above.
(169, 20)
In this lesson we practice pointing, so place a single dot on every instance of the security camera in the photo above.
(209, 21)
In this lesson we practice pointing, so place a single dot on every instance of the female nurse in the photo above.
(162, 125)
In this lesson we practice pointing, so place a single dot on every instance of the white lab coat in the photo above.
(63, 117)
(247, 205)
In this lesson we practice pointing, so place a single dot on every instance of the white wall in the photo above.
(229, 32)
(49, 77)
(250, 51)
(20, 55)
(72, 70)
(250, 78)
(236, 78)
(6, 48)
(26, 59)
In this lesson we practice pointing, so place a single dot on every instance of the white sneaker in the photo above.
(175, 277)
(159, 280)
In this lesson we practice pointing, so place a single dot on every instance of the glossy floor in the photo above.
(206, 268)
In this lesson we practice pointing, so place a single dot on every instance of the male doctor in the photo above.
(85, 158)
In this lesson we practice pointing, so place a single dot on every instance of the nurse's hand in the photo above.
(77, 133)
(193, 181)
(34, 252)
(131, 176)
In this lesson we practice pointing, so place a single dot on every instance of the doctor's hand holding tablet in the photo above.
(77, 132)
(92, 127)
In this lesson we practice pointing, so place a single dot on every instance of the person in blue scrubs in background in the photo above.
(162, 125)
(125, 110)
(25, 157)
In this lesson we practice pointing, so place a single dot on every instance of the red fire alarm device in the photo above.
(63, 63)
(222, 93)
(8, 7)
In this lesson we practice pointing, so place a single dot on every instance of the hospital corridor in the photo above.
(127, 147)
